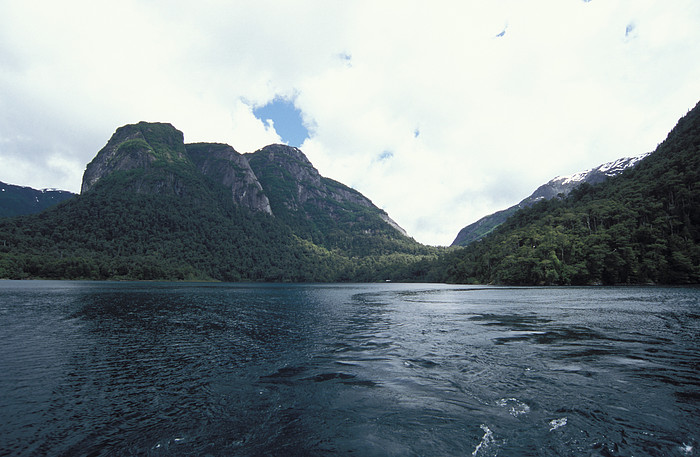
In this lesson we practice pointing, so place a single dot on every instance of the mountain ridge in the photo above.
(561, 185)
(22, 200)
(289, 176)
(639, 227)
(153, 207)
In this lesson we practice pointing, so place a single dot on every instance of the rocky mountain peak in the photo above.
(296, 188)
(136, 146)
(565, 184)
(286, 150)
(278, 179)
(287, 161)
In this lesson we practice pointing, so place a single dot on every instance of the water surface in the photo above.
(90, 368)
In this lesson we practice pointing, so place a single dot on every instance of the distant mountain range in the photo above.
(17, 200)
(559, 186)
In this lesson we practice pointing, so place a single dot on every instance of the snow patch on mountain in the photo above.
(608, 169)
(561, 185)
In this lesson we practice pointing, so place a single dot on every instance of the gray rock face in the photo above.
(140, 146)
(278, 179)
(290, 165)
(135, 146)
(294, 185)
(291, 170)
(224, 165)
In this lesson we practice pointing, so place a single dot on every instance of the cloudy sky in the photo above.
(440, 112)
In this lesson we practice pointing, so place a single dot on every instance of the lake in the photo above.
(108, 368)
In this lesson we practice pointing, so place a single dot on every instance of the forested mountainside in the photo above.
(552, 189)
(18, 200)
(152, 207)
(640, 227)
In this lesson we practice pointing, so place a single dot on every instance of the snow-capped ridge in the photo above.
(561, 185)
(609, 169)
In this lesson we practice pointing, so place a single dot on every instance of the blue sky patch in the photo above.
(286, 119)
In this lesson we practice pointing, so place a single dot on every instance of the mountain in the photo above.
(226, 166)
(317, 208)
(639, 227)
(561, 185)
(17, 200)
(146, 147)
(153, 207)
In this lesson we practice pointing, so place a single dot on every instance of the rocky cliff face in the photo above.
(287, 173)
(134, 147)
(278, 180)
(295, 186)
(226, 166)
(165, 164)
(287, 167)
(561, 185)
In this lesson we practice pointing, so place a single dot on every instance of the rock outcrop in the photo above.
(226, 166)
(295, 187)
(133, 147)
(278, 179)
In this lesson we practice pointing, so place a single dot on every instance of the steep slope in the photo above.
(145, 147)
(561, 185)
(642, 226)
(320, 209)
(17, 200)
(152, 207)
(224, 165)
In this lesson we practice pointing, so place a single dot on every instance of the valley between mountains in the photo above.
(154, 208)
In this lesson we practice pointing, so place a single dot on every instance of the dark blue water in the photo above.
(368, 370)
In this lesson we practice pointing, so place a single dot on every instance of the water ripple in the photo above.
(387, 369)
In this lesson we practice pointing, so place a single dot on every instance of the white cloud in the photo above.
(570, 85)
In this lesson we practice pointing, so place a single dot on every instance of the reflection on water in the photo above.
(378, 369)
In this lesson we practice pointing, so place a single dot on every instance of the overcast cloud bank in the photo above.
(438, 112)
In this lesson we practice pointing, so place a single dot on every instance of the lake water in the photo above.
(93, 368)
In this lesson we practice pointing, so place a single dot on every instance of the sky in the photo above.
(439, 112)
(286, 119)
